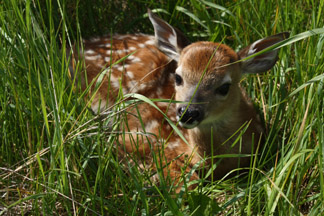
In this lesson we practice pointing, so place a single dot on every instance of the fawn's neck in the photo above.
(219, 135)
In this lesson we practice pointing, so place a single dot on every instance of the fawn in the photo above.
(204, 76)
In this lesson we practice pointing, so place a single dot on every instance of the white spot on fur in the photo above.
(92, 58)
(134, 59)
(155, 178)
(114, 79)
(121, 68)
(150, 42)
(107, 58)
(121, 37)
(173, 145)
(121, 51)
(141, 45)
(89, 52)
(132, 48)
(104, 45)
(172, 118)
(115, 84)
(115, 66)
(137, 59)
(135, 87)
(131, 57)
(98, 104)
(150, 126)
(95, 39)
(130, 74)
(131, 85)
(141, 86)
(151, 37)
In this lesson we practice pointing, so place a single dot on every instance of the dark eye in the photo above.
(223, 89)
(178, 79)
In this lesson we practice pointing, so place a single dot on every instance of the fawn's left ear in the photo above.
(265, 61)
(169, 39)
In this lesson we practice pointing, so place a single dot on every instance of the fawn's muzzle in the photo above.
(189, 117)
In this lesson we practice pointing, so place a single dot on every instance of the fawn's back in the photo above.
(204, 76)
(141, 69)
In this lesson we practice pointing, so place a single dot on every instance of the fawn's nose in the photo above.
(191, 117)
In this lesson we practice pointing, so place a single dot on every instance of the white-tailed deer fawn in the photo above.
(204, 76)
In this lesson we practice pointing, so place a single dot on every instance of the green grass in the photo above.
(57, 158)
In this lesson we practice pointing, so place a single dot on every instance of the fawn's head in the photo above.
(208, 74)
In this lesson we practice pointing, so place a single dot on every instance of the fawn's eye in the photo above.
(223, 89)
(178, 79)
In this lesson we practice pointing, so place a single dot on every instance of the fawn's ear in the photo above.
(169, 40)
(265, 61)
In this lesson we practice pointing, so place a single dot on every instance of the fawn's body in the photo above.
(167, 66)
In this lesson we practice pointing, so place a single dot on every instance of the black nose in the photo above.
(192, 114)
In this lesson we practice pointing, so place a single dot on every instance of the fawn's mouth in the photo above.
(189, 124)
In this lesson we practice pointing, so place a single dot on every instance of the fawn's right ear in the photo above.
(169, 40)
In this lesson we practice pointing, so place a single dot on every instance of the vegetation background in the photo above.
(56, 158)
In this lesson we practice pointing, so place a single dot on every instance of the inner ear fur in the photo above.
(169, 40)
